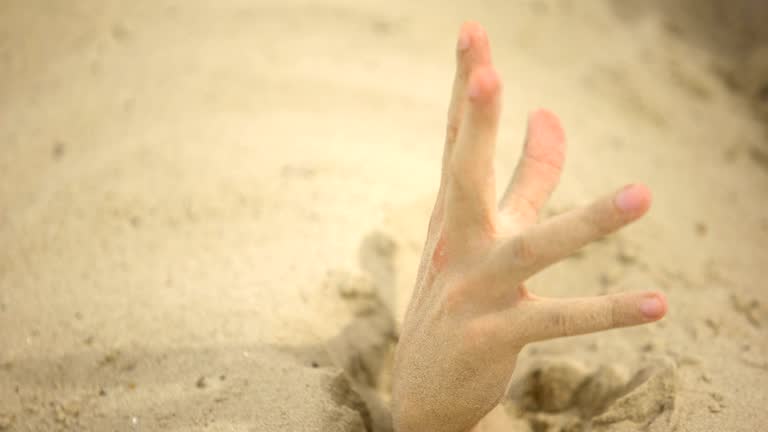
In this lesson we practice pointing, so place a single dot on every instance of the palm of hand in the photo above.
(470, 314)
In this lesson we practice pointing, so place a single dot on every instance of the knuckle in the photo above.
(593, 218)
(603, 220)
(546, 163)
(523, 251)
(452, 130)
(462, 181)
(564, 324)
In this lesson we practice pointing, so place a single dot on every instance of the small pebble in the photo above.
(201, 382)
(58, 150)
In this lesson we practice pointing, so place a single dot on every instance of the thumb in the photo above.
(575, 316)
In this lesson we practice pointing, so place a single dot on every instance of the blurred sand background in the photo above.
(211, 212)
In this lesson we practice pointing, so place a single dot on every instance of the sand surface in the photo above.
(211, 212)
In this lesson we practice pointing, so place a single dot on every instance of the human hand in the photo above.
(470, 313)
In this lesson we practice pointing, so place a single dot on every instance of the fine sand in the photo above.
(211, 212)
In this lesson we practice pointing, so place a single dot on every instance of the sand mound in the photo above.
(564, 397)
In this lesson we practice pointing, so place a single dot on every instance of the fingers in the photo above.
(553, 318)
(471, 192)
(538, 170)
(548, 242)
(472, 51)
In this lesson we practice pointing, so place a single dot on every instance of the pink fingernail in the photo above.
(629, 200)
(651, 307)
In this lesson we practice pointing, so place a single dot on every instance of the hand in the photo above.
(470, 314)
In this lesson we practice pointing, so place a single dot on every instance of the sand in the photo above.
(211, 212)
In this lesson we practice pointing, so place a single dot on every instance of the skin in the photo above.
(470, 313)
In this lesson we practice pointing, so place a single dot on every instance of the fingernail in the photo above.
(628, 200)
(463, 41)
(651, 307)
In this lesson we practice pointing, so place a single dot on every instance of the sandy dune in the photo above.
(211, 212)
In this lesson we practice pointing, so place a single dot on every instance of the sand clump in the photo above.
(563, 396)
